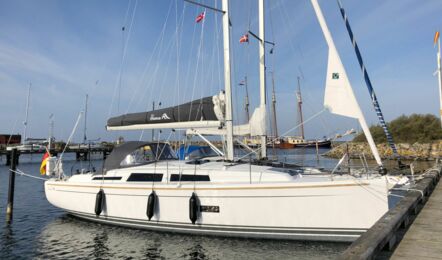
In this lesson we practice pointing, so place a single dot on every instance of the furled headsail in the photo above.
(204, 112)
(339, 97)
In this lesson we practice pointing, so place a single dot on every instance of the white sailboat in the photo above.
(143, 186)
(28, 144)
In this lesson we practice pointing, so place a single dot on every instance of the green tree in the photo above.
(407, 129)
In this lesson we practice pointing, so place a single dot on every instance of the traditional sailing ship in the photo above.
(289, 142)
(143, 185)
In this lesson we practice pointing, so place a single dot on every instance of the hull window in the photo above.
(189, 177)
(106, 178)
(155, 177)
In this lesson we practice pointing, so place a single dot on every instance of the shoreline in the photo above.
(416, 151)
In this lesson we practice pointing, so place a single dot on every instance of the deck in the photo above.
(423, 240)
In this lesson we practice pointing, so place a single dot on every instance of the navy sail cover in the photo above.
(197, 110)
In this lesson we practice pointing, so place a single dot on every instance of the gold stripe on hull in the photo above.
(206, 188)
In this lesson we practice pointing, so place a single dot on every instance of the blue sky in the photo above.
(68, 49)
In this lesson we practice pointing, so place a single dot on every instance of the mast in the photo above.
(51, 131)
(262, 75)
(301, 118)
(85, 119)
(246, 100)
(274, 123)
(336, 72)
(439, 76)
(374, 99)
(25, 123)
(227, 81)
(153, 130)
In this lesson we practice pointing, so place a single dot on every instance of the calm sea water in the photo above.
(41, 231)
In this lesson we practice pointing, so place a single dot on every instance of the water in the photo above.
(42, 231)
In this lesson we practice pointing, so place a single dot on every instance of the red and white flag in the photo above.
(200, 17)
(244, 38)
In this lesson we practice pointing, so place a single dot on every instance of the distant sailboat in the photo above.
(28, 144)
(289, 142)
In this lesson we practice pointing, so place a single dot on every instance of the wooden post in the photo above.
(317, 151)
(10, 206)
(8, 159)
(348, 157)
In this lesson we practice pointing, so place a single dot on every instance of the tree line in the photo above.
(407, 129)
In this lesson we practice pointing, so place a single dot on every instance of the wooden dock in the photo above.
(81, 153)
(423, 240)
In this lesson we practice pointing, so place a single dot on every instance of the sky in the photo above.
(69, 49)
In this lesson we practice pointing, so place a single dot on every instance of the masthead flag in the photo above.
(244, 38)
(436, 37)
(200, 17)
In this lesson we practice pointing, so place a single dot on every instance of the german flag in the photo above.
(43, 163)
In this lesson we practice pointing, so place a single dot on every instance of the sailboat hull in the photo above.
(338, 211)
(313, 144)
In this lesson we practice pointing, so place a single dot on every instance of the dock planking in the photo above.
(423, 240)
(382, 238)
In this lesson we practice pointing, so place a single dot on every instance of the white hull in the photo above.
(308, 208)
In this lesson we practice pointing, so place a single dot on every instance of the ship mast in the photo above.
(262, 75)
(274, 123)
(439, 77)
(301, 119)
(227, 82)
(246, 100)
(85, 120)
(25, 123)
(51, 131)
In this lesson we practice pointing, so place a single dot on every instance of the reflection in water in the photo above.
(100, 247)
(69, 237)
(7, 242)
(196, 252)
(153, 251)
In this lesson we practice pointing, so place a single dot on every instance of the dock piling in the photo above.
(10, 206)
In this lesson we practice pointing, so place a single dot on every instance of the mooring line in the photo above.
(19, 172)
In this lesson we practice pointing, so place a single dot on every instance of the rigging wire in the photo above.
(198, 58)
(154, 77)
(68, 141)
(166, 72)
(156, 73)
(117, 87)
(13, 130)
(291, 129)
(147, 66)
(178, 34)
(288, 21)
(189, 55)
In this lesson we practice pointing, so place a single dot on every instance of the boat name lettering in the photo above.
(214, 209)
(164, 116)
